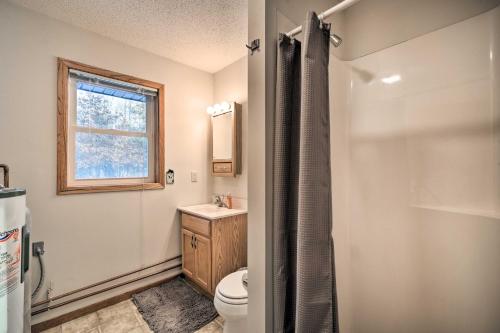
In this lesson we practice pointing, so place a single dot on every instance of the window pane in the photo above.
(97, 110)
(101, 156)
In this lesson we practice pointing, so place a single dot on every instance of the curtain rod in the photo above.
(337, 8)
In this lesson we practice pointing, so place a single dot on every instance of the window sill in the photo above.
(109, 188)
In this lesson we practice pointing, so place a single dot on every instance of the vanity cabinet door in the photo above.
(203, 261)
(188, 253)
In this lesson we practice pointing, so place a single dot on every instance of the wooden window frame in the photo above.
(63, 187)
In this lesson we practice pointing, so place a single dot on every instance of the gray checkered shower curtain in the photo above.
(303, 261)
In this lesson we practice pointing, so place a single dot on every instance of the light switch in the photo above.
(194, 176)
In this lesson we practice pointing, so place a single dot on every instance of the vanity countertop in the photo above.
(211, 211)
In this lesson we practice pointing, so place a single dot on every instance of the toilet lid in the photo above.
(232, 301)
(231, 287)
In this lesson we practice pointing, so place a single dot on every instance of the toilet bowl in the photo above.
(231, 302)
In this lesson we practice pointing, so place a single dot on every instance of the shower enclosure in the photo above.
(416, 181)
(415, 139)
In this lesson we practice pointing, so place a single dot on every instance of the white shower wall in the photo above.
(416, 177)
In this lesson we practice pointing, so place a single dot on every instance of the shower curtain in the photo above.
(303, 261)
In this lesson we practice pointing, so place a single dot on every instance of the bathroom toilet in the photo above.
(231, 302)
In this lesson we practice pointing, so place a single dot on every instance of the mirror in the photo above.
(222, 135)
(226, 141)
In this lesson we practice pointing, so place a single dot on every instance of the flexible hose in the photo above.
(42, 275)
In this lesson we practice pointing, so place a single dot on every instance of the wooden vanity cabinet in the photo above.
(212, 249)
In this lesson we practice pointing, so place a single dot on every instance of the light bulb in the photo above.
(218, 108)
(210, 110)
(225, 106)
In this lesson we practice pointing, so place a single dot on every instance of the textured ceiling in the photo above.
(206, 34)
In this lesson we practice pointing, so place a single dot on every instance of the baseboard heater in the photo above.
(49, 302)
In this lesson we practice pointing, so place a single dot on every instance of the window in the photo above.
(110, 131)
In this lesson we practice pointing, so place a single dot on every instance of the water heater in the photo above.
(15, 298)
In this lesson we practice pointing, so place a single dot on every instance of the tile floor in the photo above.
(119, 318)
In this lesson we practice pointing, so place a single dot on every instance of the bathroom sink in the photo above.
(211, 211)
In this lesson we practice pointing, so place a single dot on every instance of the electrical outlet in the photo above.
(38, 248)
(170, 176)
(194, 176)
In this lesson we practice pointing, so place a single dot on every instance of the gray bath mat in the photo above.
(174, 307)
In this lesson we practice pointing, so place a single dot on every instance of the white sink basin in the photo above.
(211, 211)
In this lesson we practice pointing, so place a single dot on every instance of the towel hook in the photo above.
(254, 45)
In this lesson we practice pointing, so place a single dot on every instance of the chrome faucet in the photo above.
(219, 201)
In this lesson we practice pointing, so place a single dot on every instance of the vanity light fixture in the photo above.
(220, 108)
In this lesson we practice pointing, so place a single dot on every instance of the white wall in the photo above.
(370, 26)
(231, 84)
(260, 106)
(416, 183)
(92, 237)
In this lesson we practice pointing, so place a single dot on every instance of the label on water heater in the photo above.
(10, 261)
